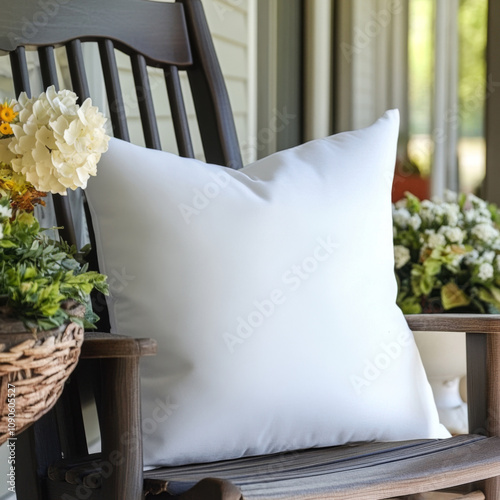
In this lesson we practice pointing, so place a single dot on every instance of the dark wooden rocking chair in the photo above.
(53, 460)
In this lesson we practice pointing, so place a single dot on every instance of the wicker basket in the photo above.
(33, 370)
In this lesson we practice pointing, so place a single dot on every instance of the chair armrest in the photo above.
(120, 409)
(109, 345)
(470, 323)
(483, 362)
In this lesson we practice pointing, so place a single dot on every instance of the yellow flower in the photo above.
(7, 114)
(5, 128)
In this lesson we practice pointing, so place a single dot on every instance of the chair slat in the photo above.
(178, 110)
(363, 472)
(20, 71)
(48, 67)
(211, 100)
(61, 203)
(64, 219)
(145, 101)
(77, 70)
(113, 88)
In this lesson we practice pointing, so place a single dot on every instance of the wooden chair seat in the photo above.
(360, 471)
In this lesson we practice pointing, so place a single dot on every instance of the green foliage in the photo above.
(447, 254)
(37, 275)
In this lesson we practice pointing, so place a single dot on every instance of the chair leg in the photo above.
(120, 430)
(492, 488)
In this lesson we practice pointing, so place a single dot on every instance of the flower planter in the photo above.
(33, 370)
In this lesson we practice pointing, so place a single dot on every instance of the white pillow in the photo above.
(271, 293)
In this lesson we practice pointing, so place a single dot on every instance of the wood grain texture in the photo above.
(477, 382)
(113, 90)
(107, 345)
(77, 70)
(178, 110)
(120, 422)
(367, 471)
(492, 486)
(211, 100)
(34, 23)
(20, 72)
(470, 323)
(145, 102)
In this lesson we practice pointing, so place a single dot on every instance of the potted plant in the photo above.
(447, 259)
(47, 145)
(447, 254)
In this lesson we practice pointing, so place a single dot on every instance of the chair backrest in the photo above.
(171, 36)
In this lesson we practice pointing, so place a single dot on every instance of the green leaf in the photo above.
(453, 296)
(5, 243)
(432, 267)
(410, 305)
(427, 284)
(412, 202)
(495, 292)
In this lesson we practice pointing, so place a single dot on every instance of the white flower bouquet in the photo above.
(47, 144)
(56, 144)
(447, 254)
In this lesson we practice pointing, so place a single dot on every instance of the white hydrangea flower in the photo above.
(485, 271)
(415, 221)
(401, 256)
(457, 260)
(452, 213)
(471, 215)
(472, 257)
(434, 239)
(426, 211)
(485, 232)
(488, 256)
(5, 211)
(476, 202)
(57, 143)
(401, 217)
(452, 234)
(450, 196)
